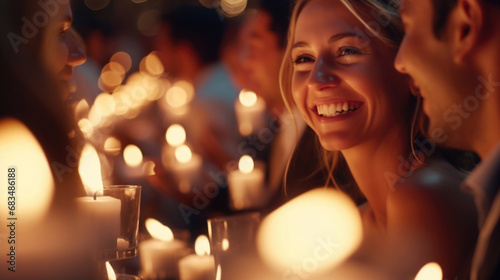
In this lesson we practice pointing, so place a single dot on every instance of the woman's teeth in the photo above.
(333, 110)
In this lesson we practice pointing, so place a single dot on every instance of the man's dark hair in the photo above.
(199, 26)
(442, 10)
(280, 11)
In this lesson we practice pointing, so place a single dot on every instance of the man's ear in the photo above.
(466, 23)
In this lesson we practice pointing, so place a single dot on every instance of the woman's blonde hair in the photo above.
(381, 19)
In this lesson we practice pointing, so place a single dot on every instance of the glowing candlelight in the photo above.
(320, 228)
(246, 184)
(33, 189)
(183, 154)
(159, 231)
(200, 266)
(430, 271)
(110, 271)
(159, 255)
(112, 145)
(81, 109)
(250, 112)
(99, 213)
(248, 98)
(186, 168)
(132, 155)
(90, 170)
(246, 164)
(175, 135)
(176, 97)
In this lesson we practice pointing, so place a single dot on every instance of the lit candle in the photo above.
(186, 167)
(199, 266)
(133, 158)
(99, 213)
(250, 112)
(430, 271)
(175, 135)
(246, 184)
(160, 254)
(110, 271)
(324, 223)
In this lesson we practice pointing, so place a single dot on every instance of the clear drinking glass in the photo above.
(232, 236)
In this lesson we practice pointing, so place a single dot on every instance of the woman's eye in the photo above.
(302, 59)
(348, 51)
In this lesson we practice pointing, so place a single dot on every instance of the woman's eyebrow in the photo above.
(332, 39)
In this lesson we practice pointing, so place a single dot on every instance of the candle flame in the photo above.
(25, 173)
(111, 272)
(176, 97)
(112, 145)
(183, 154)
(202, 245)
(149, 168)
(90, 170)
(233, 7)
(132, 155)
(176, 135)
(248, 98)
(105, 104)
(124, 59)
(225, 244)
(218, 273)
(430, 271)
(154, 65)
(158, 231)
(82, 109)
(246, 164)
(86, 127)
(321, 220)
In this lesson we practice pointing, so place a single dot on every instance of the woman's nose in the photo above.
(323, 75)
(76, 53)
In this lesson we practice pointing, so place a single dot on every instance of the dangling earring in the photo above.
(415, 118)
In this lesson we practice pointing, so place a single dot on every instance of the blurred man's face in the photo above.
(261, 57)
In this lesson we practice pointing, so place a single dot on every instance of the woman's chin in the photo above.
(336, 143)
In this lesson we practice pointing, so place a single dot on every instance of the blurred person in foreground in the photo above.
(37, 54)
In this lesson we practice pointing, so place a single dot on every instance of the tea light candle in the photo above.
(159, 255)
(100, 213)
(250, 112)
(246, 184)
(199, 266)
(186, 167)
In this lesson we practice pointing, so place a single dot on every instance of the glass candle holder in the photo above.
(126, 243)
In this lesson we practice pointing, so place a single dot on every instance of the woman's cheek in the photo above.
(299, 94)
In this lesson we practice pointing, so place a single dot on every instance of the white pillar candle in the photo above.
(100, 214)
(199, 266)
(159, 255)
(246, 184)
(186, 166)
(250, 112)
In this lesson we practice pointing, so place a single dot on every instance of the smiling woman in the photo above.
(338, 72)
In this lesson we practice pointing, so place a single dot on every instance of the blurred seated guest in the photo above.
(189, 41)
